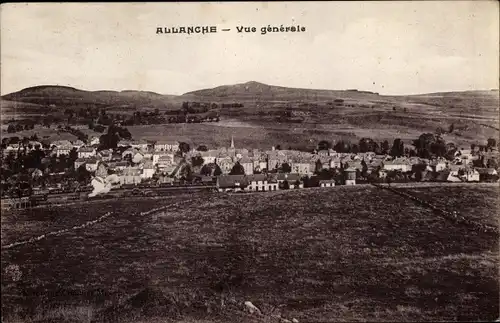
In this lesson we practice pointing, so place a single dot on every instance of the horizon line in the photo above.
(239, 83)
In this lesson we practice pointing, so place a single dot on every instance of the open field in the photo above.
(339, 254)
(251, 134)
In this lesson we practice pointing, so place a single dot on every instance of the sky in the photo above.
(387, 47)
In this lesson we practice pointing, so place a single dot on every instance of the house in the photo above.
(447, 176)
(226, 164)
(12, 148)
(469, 175)
(209, 157)
(261, 182)
(400, 164)
(92, 164)
(130, 175)
(62, 150)
(247, 164)
(163, 161)
(293, 179)
(334, 163)
(487, 174)
(105, 155)
(165, 180)
(34, 145)
(79, 162)
(78, 144)
(134, 154)
(93, 141)
(142, 145)
(437, 165)
(86, 152)
(231, 183)
(300, 167)
(148, 169)
(118, 165)
(350, 176)
(61, 143)
(166, 145)
(327, 183)
(165, 157)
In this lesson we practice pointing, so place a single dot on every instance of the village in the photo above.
(31, 167)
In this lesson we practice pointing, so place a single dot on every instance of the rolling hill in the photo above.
(280, 112)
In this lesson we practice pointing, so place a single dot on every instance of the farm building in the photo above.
(327, 183)
(231, 183)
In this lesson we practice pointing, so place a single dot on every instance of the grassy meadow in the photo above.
(318, 255)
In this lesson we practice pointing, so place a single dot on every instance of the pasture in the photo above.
(339, 254)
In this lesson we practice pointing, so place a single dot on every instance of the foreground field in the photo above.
(339, 254)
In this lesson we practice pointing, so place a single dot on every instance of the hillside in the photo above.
(279, 113)
(319, 255)
(260, 92)
(53, 95)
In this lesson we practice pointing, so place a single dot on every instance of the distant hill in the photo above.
(259, 91)
(304, 114)
(69, 96)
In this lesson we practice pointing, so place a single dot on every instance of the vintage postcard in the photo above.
(250, 161)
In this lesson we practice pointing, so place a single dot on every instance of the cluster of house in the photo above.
(137, 161)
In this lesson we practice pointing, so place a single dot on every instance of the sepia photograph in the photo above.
(253, 162)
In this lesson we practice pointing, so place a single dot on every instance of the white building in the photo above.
(327, 183)
(148, 170)
(86, 152)
(166, 145)
(163, 159)
(247, 165)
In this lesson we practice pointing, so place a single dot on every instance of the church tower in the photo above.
(232, 142)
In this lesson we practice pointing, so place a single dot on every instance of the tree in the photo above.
(124, 133)
(385, 147)
(11, 128)
(184, 147)
(367, 144)
(397, 149)
(217, 170)
(342, 147)
(324, 145)
(286, 185)
(286, 168)
(187, 172)
(429, 144)
(364, 169)
(197, 161)
(207, 169)
(492, 163)
(82, 175)
(73, 156)
(108, 141)
(318, 167)
(237, 169)
(491, 143)
(451, 128)
(202, 148)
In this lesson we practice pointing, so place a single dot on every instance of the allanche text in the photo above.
(239, 29)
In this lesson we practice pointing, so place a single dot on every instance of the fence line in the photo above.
(81, 226)
(452, 216)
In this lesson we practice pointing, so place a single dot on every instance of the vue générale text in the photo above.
(239, 29)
